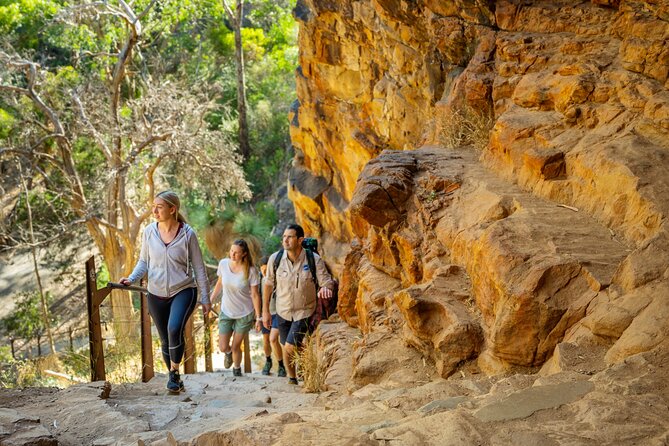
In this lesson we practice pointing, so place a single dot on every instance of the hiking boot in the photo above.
(227, 362)
(282, 371)
(268, 366)
(236, 371)
(174, 384)
(292, 381)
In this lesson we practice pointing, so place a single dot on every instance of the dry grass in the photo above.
(219, 236)
(466, 126)
(310, 366)
(29, 372)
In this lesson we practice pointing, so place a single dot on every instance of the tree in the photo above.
(104, 134)
(236, 20)
(44, 306)
(26, 320)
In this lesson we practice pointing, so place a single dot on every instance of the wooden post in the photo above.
(189, 353)
(208, 363)
(147, 344)
(39, 345)
(11, 341)
(97, 357)
(247, 354)
(71, 338)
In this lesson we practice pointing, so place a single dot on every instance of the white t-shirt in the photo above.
(236, 299)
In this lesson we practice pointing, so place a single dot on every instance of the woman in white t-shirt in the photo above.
(238, 282)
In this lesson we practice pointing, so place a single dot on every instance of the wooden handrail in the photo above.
(95, 297)
(120, 286)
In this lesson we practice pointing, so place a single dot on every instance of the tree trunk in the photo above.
(244, 145)
(125, 317)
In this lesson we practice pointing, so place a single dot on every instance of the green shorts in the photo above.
(241, 325)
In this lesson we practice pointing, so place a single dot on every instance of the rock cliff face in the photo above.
(525, 248)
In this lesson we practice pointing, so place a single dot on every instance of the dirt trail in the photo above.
(622, 405)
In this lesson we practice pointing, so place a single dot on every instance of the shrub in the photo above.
(310, 367)
(466, 126)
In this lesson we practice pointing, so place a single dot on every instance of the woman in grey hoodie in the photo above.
(170, 254)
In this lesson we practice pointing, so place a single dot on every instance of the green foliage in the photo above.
(5, 354)
(247, 224)
(269, 40)
(46, 208)
(26, 320)
(249, 221)
(77, 363)
(266, 213)
(89, 159)
(258, 223)
(7, 122)
(271, 244)
(21, 373)
(185, 41)
(26, 18)
(102, 276)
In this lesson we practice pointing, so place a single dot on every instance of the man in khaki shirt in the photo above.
(295, 293)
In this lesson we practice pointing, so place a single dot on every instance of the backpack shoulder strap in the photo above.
(277, 260)
(312, 266)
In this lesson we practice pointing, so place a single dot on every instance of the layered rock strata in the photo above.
(551, 229)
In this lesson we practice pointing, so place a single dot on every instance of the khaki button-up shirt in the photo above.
(295, 287)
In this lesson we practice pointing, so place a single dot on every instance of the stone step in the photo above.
(523, 403)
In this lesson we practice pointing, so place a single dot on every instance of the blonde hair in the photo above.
(173, 200)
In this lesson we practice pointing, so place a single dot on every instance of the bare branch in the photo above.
(146, 10)
(31, 152)
(98, 54)
(13, 89)
(106, 224)
(39, 124)
(229, 12)
(91, 127)
(146, 143)
(30, 70)
(124, 55)
(62, 231)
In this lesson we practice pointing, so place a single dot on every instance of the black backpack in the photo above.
(324, 307)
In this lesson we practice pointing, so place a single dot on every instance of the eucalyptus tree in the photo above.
(103, 132)
(236, 18)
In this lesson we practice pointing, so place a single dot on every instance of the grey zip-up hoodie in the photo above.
(169, 267)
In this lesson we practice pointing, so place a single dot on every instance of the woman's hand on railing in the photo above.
(125, 284)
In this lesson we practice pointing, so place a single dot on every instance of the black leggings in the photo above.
(170, 316)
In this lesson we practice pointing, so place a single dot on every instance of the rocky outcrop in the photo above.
(545, 236)
(476, 266)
